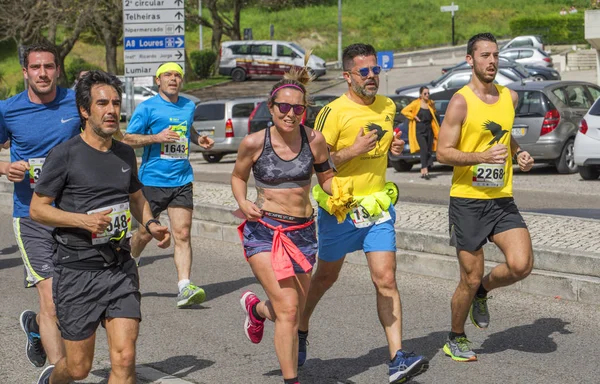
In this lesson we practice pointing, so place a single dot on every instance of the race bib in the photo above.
(178, 149)
(120, 219)
(361, 218)
(488, 175)
(35, 170)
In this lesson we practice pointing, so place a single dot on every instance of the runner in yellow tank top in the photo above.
(475, 138)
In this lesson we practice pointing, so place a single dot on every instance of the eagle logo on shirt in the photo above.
(375, 127)
(496, 131)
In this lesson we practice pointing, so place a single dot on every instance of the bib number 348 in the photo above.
(120, 219)
(488, 175)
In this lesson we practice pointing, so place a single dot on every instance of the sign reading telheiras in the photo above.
(153, 34)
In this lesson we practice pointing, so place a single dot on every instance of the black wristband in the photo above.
(519, 152)
(147, 225)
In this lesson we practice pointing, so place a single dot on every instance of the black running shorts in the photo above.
(84, 298)
(160, 198)
(473, 221)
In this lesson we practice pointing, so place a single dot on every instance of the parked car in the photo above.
(529, 56)
(547, 119)
(245, 58)
(533, 72)
(525, 41)
(226, 122)
(455, 79)
(261, 117)
(587, 141)
(407, 160)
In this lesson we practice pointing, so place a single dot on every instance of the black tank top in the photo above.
(271, 171)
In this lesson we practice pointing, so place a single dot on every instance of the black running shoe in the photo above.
(45, 376)
(34, 348)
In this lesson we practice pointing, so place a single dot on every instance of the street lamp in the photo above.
(339, 63)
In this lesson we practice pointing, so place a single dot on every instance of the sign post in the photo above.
(386, 60)
(153, 34)
(451, 8)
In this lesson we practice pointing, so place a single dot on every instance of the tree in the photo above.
(107, 22)
(220, 23)
(56, 22)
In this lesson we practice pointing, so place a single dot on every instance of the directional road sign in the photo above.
(153, 35)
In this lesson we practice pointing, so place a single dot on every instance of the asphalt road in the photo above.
(531, 339)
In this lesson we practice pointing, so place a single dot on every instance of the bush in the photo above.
(203, 62)
(554, 29)
(76, 65)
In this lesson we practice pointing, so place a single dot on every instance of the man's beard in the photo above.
(362, 91)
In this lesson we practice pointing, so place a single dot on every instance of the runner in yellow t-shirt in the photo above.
(475, 138)
(358, 127)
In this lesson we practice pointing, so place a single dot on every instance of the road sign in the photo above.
(153, 33)
(450, 8)
(386, 60)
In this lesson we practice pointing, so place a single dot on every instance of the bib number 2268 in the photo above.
(488, 175)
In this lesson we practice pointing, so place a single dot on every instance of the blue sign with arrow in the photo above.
(153, 42)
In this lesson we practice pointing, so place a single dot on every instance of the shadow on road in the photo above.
(10, 263)
(213, 290)
(181, 366)
(532, 338)
(147, 260)
(8, 250)
(335, 371)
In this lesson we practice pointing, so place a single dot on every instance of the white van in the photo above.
(245, 58)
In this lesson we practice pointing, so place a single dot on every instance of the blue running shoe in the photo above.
(302, 343)
(34, 348)
(406, 366)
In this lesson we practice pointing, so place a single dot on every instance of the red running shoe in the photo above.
(252, 326)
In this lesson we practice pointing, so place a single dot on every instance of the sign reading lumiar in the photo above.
(153, 33)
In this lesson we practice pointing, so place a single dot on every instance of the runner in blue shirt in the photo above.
(35, 121)
(163, 126)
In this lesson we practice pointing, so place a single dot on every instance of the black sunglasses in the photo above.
(364, 72)
(285, 108)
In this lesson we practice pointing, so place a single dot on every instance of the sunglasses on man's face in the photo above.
(285, 108)
(364, 72)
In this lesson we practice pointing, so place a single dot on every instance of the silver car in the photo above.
(528, 56)
(226, 122)
(525, 41)
(547, 119)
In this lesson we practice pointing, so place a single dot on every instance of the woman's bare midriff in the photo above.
(288, 201)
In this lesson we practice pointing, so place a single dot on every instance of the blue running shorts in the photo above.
(336, 240)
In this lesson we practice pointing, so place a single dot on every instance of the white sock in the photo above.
(182, 284)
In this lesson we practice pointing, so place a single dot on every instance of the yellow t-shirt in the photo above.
(340, 122)
(485, 126)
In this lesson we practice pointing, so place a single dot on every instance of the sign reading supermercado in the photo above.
(153, 34)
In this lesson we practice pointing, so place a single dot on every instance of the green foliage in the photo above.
(554, 29)
(19, 87)
(76, 65)
(203, 62)
(276, 5)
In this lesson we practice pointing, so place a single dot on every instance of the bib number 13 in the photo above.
(35, 170)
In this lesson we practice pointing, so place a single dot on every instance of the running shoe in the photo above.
(190, 295)
(405, 366)
(479, 314)
(459, 349)
(34, 348)
(45, 376)
(302, 343)
(252, 326)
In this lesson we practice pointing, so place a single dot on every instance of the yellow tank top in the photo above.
(485, 126)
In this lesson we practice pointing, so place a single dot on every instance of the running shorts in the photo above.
(258, 238)
(37, 247)
(473, 221)
(84, 298)
(337, 240)
(160, 198)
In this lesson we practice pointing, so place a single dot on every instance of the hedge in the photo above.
(554, 29)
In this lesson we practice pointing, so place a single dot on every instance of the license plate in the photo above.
(207, 133)
(519, 132)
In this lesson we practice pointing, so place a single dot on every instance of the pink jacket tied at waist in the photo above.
(283, 249)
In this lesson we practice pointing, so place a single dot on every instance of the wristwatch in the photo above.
(519, 152)
(147, 225)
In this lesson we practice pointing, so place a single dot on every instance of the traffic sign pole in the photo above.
(450, 8)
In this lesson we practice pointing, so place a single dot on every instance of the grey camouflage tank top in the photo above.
(271, 171)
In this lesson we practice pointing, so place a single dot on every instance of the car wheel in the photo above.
(539, 78)
(212, 157)
(401, 165)
(238, 74)
(589, 173)
(566, 162)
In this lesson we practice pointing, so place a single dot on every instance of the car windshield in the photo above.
(532, 104)
(436, 82)
(298, 48)
(208, 112)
